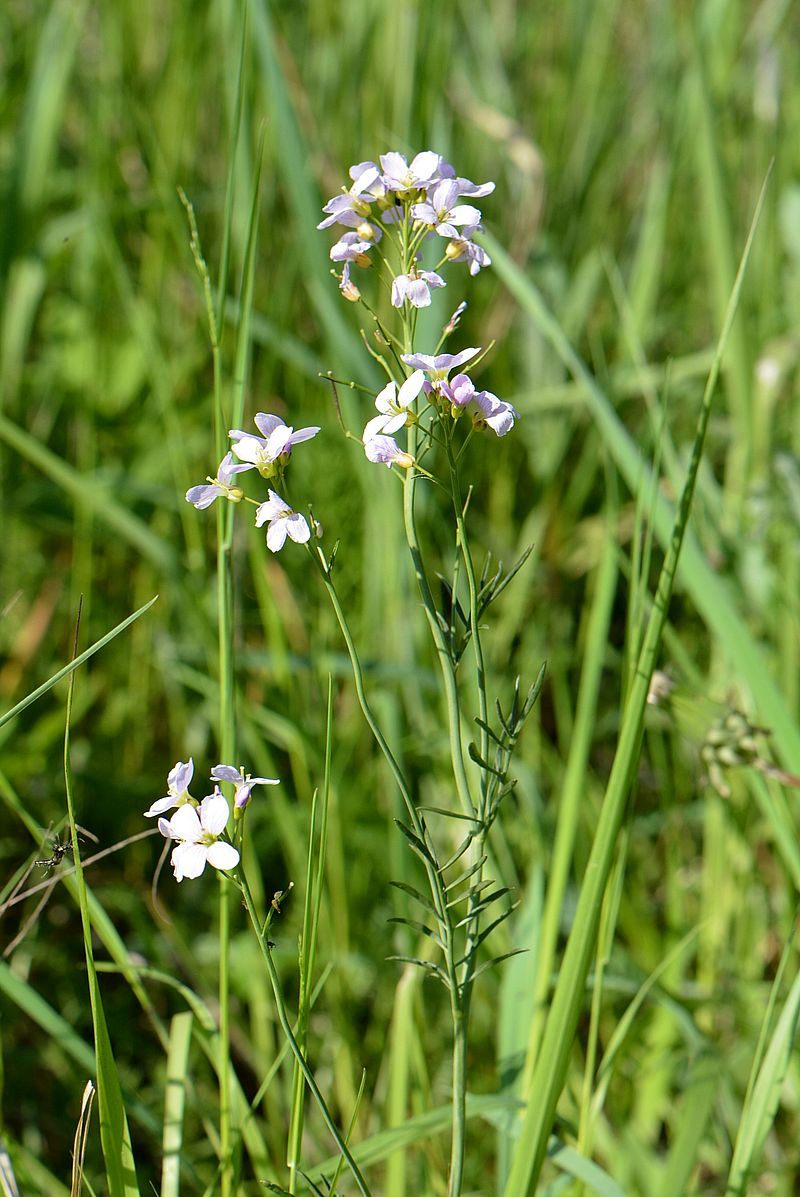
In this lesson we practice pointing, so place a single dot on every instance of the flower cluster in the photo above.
(269, 455)
(424, 198)
(198, 827)
(431, 378)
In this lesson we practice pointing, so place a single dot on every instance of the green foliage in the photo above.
(629, 148)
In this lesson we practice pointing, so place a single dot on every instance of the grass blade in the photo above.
(180, 1035)
(551, 1065)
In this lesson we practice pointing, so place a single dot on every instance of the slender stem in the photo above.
(286, 1027)
(439, 640)
(469, 568)
(459, 1089)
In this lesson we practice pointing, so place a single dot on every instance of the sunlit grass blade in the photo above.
(573, 790)
(550, 1069)
(770, 1066)
(180, 1036)
(79, 660)
(8, 1181)
(79, 1143)
(114, 1133)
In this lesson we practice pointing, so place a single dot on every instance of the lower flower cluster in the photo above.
(199, 828)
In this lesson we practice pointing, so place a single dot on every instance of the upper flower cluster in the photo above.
(428, 195)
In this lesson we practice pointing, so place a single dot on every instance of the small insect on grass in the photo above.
(61, 848)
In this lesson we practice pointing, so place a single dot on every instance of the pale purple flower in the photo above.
(495, 413)
(219, 487)
(198, 833)
(438, 368)
(274, 446)
(244, 782)
(461, 249)
(415, 287)
(350, 248)
(282, 522)
(386, 451)
(393, 405)
(400, 176)
(179, 779)
(350, 209)
(444, 213)
(367, 180)
(460, 392)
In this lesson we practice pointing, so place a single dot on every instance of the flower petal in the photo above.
(188, 860)
(160, 806)
(222, 855)
(180, 776)
(214, 812)
(203, 496)
(276, 534)
(298, 529)
(185, 825)
(226, 773)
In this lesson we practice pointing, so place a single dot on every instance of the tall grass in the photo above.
(629, 148)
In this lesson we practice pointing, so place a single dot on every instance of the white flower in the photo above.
(198, 833)
(393, 405)
(271, 450)
(178, 782)
(415, 287)
(282, 522)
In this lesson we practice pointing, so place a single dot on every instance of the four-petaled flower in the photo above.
(438, 367)
(351, 248)
(178, 781)
(244, 783)
(415, 287)
(386, 451)
(268, 452)
(461, 249)
(198, 834)
(495, 413)
(393, 405)
(282, 522)
(204, 495)
(400, 177)
(443, 211)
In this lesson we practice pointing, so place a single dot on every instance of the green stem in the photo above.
(286, 1027)
(469, 567)
(439, 640)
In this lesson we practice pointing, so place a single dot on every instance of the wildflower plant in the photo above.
(415, 221)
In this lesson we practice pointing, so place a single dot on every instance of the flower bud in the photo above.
(350, 291)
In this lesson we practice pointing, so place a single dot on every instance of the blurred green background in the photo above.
(629, 143)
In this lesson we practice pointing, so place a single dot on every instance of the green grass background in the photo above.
(629, 144)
